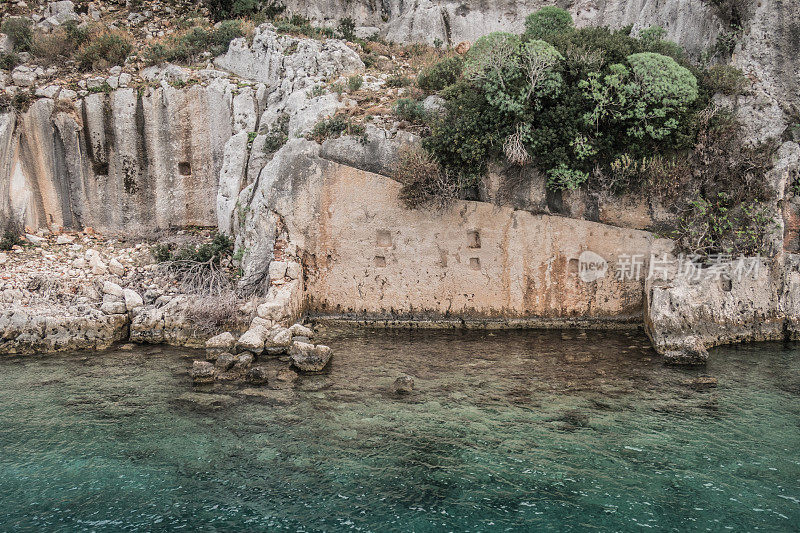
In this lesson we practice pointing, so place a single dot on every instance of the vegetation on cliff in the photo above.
(607, 112)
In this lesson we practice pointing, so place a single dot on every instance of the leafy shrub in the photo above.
(410, 110)
(644, 100)
(20, 101)
(12, 235)
(347, 29)
(465, 137)
(297, 25)
(334, 127)
(188, 46)
(278, 135)
(9, 61)
(725, 79)
(398, 80)
(547, 22)
(228, 9)
(354, 82)
(62, 42)
(104, 49)
(563, 177)
(209, 252)
(20, 31)
(439, 75)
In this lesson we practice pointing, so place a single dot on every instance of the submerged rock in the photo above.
(225, 361)
(202, 372)
(404, 385)
(286, 375)
(257, 375)
(692, 352)
(308, 357)
(244, 360)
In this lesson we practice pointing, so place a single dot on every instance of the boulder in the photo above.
(279, 338)
(109, 287)
(202, 372)
(22, 76)
(132, 299)
(257, 375)
(116, 268)
(252, 340)
(691, 352)
(299, 330)
(308, 357)
(225, 361)
(113, 308)
(244, 360)
(404, 385)
(221, 343)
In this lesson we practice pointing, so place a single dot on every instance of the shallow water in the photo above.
(505, 431)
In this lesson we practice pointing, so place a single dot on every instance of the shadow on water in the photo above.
(505, 430)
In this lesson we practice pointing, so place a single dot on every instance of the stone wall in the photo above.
(366, 255)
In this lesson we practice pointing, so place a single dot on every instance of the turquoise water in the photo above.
(506, 431)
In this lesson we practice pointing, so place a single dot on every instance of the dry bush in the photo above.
(514, 148)
(425, 183)
(211, 314)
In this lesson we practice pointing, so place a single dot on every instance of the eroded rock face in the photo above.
(118, 161)
(24, 331)
(687, 314)
(288, 62)
(692, 23)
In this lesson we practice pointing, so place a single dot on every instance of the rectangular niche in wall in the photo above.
(475, 263)
(184, 168)
(474, 239)
(384, 238)
(380, 261)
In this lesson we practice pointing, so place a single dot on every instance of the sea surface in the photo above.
(505, 431)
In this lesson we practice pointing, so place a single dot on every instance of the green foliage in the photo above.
(652, 34)
(334, 127)
(8, 61)
(188, 46)
(298, 25)
(208, 252)
(468, 134)
(439, 75)
(563, 177)
(228, 9)
(20, 31)
(12, 235)
(105, 49)
(410, 109)
(603, 110)
(398, 80)
(316, 91)
(347, 29)
(547, 22)
(511, 72)
(645, 100)
(355, 82)
(725, 79)
(719, 226)
(277, 135)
